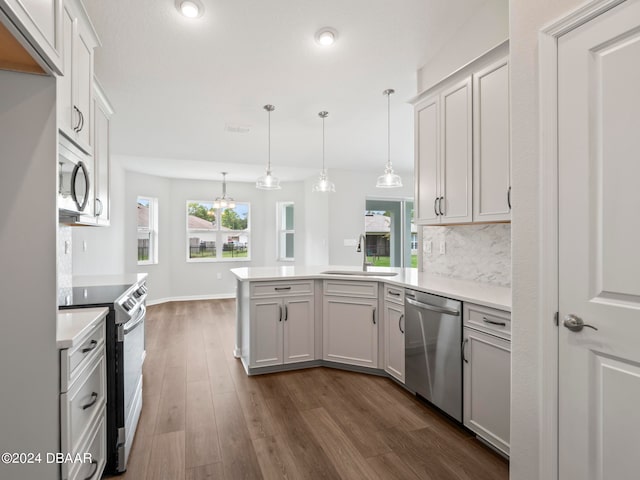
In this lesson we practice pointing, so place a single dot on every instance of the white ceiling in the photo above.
(175, 83)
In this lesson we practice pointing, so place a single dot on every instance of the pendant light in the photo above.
(224, 201)
(389, 179)
(323, 184)
(268, 181)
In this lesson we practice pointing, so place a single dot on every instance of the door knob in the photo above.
(575, 324)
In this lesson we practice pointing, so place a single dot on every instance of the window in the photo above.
(392, 237)
(217, 234)
(286, 231)
(147, 230)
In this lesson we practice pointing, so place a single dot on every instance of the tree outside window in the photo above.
(211, 240)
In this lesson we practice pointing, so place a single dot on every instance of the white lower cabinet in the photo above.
(83, 406)
(487, 386)
(350, 330)
(282, 330)
(394, 333)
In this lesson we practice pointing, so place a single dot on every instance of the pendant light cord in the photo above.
(269, 149)
(323, 169)
(389, 129)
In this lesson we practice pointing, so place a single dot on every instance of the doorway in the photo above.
(391, 235)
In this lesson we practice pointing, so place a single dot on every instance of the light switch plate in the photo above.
(84, 246)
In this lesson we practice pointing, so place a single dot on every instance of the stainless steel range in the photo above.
(125, 347)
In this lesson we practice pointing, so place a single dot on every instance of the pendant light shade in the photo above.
(224, 201)
(268, 181)
(323, 184)
(389, 179)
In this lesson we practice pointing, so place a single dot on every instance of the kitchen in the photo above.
(537, 255)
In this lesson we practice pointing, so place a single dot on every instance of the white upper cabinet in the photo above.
(491, 164)
(444, 156)
(102, 162)
(76, 86)
(454, 204)
(462, 163)
(427, 158)
(39, 23)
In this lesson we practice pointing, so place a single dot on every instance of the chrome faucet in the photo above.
(362, 239)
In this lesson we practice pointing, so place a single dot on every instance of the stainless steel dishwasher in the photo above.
(433, 360)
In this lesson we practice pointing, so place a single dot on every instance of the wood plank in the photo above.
(275, 458)
(214, 471)
(342, 453)
(139, 457)
(167, 457)
(171, 413)
(238, 455)
(310, 458)
(202, 444)
(256, 414)
(391, 467)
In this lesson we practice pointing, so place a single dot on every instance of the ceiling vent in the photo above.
(236, 128)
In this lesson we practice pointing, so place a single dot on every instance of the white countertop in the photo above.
(481, 293)
(99, 280)
(73, 325)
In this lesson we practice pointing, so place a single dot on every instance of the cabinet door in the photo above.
(394, 340)
(83, 75)
(266, 332)
(38, 21)
(487, 386)
(102, 163)
(427, 159)
(457, 152)
(67, 116)
(350, 330)
(491, 161)
(299, 327)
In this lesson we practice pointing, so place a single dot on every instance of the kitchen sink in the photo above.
(360, 273)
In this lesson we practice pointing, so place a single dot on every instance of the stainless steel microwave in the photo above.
(74, 186)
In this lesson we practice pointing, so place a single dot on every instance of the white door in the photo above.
(350, 330)
(266, 332)
(454, 203)
(299, 330)
(394, 339)
(427, 161)
(599, 247)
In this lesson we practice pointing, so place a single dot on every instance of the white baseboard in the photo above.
(189, 298)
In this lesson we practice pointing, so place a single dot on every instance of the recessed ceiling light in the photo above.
(190, 8)
(326, 36)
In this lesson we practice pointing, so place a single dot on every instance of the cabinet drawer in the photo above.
(351, 288)
(74, 360)
(280, 289)
(394, 294)
(96, 446)
(81, 404)
(490, 320)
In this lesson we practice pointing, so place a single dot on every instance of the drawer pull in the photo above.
(93, 345)
(493, 322)
(94, 399)
(93, 472)
(374, 315)
(395, 294)
(277, 289)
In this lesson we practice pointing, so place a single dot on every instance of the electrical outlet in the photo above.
(66, 247)
(84, 246)
(443, 249)
(429, 247)
(219, 276)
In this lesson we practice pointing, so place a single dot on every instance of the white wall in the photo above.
(526, 19)
(347, 206)
(486, 28)
(29, 358)
(105, 253)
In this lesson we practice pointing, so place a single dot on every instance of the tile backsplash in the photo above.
(480, 253)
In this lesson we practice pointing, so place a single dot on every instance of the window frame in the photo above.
(152, 230)
(282, 231)
(219, 234)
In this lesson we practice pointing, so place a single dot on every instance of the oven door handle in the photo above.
(138, 322)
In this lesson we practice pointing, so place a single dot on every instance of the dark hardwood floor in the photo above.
(203, 418)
